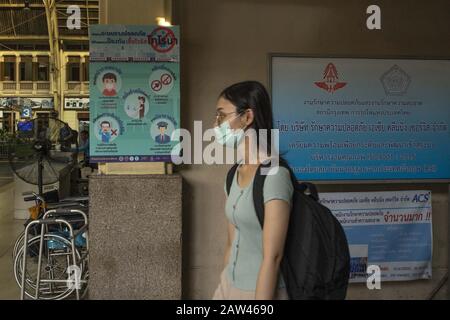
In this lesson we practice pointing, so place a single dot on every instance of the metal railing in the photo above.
(25, 86)
(42, 86)
(8, 86)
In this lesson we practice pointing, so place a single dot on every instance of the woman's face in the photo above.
(226, 111)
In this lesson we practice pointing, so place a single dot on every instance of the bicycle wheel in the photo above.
(18, 244)
(56, 259)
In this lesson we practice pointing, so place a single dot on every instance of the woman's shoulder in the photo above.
(278, 184)
(277, 173)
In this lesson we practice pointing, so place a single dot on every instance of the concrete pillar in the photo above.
(135, 220)
(135, 237)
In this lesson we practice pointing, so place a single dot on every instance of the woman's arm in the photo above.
(276, 220)
(229, 243)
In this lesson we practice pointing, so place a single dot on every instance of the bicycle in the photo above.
(81, 203)
(58, 256)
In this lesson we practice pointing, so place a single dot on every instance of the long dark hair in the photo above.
(252, 95)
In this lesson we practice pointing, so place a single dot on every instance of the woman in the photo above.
(252, 256)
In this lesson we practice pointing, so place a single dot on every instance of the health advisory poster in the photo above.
(134, 93)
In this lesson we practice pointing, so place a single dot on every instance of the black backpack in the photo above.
(316, 259)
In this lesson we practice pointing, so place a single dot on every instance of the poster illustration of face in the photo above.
(109, 83)
(161, 131)
(107, 129)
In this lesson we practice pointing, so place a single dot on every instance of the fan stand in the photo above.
(37, 159)
(40, 176)
(40, 148)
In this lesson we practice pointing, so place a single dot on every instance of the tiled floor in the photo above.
(4, 181)
(6, 175)
(9, 230)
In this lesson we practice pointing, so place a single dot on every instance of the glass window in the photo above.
(26, 68)
(9, 69)
(43, 69)
(86, 69)
(73, 69)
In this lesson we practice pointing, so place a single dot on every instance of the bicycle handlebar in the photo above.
(32, 196)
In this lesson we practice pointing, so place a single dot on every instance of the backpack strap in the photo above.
(230, 176)
(300, 186)
(258, 195)
(258, 189)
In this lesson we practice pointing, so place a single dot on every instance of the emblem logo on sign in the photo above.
(162, 39)
(330, 81)
(395, 81)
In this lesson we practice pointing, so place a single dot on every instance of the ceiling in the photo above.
(20, 27)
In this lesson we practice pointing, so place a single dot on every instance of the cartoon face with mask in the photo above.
(109, 84)
(229, 126)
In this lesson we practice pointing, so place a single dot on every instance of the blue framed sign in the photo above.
(362, 118)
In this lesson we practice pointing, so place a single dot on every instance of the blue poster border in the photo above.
(272, 55)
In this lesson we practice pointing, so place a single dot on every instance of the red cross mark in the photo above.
(159, 39)
(114, 132)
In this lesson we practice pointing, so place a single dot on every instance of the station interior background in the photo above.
(223, 42)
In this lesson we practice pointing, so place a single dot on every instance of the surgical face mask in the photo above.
(227, 136)
(109, 86)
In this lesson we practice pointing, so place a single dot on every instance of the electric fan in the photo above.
(43, 151)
